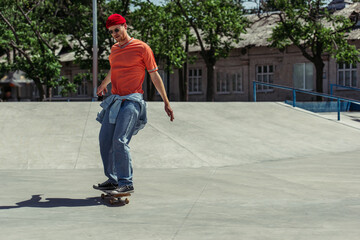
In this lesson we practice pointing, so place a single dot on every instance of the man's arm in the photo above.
(102, 89)
(159, 85)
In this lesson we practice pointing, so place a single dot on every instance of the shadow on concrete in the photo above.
(35, 202)
(355, 118)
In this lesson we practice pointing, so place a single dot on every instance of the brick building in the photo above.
(252, 60)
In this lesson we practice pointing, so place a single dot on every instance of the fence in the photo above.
(340, 86)
(295, 90)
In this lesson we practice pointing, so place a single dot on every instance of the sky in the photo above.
(249, 4)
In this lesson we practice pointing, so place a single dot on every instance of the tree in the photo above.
(77, 24)
(314, 31)
(217, 25)
(30, 33)
(178, 41)
(166, 31)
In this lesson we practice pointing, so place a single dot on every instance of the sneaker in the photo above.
(125, 189)
(107, 185)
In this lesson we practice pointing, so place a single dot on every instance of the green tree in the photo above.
(314, 31)
(78, 25)
(166, 31)
(217, 25)
(30, 33)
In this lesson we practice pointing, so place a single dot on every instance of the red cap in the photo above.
(115, 19)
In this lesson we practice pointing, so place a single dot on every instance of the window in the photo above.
(195, 80)
(237, 82)
(83, 88)
(35, 92)
(56, 91)
(347, 74)
(303, 76)
(265, 74)
(222, 82)
(226, 80)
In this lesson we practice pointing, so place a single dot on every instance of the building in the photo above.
(252, 60)
(339, 4)
(15, 86)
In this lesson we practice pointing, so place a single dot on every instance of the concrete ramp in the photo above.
(65, 135)
(219, 171)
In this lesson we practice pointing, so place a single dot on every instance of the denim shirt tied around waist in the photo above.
(114, 102)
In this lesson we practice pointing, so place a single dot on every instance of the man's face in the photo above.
(118, 32)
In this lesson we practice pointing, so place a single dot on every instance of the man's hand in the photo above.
(159, 85)
(101, 90)
(169, 112)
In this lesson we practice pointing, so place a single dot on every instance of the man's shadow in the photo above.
(35, 202)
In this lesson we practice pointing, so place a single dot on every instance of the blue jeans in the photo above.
(114, 140)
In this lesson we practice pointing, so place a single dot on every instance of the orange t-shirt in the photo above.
(128, 63)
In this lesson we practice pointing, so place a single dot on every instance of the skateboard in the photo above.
(115, 197)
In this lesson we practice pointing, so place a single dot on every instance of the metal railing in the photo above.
(341, 86)
(296, 90)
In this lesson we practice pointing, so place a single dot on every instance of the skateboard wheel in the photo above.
(127, 201)
(112, 201)
(103, 196)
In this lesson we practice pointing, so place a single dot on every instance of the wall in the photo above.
(246, 61)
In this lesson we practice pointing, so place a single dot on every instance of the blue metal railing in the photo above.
(295, 90)
(341, 86)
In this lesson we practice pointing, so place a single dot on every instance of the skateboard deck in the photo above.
(115, 197)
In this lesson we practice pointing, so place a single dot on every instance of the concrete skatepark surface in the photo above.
(219, 171)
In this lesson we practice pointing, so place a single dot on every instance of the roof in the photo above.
(259, 31)
(354, 34)
(261, 28)
(16, 78)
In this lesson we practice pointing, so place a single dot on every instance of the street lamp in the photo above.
(95, 49)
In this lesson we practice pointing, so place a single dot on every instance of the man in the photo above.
(124, 112)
